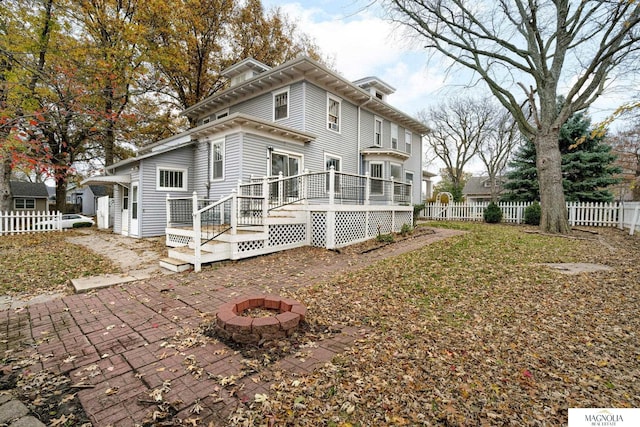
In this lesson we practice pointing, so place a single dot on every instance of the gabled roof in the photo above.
(29, 189)
(243, 66)
(376, 83)
(304, 68)
(475, 185)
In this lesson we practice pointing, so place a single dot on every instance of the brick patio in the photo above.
(125, 341)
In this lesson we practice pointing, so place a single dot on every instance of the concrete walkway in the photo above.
(137, 350)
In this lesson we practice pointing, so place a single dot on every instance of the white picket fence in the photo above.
(21, 222)
(616, 214)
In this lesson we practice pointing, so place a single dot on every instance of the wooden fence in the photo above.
(20, 222)
(616, 214)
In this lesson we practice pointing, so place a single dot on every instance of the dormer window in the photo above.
(379, 95)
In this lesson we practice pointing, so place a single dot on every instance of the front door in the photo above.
(133, 227)
(125, 211)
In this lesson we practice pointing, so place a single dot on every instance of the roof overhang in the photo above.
(107, 179)
(303, 68)
(427, 174)
(373, 152)
(246, 123)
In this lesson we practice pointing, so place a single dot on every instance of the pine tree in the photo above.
(587, 168)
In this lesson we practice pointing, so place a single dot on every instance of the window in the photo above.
(171, 179)
(334, 161)
(24, 203)
(221, 114)
(408, 177)
(217, 160)
(281, 105)
(394, 136)
(407, 141)
(206, 120)
(377, 132)
(333, 114)
(396, 171)
(375, 173)
(125, 198)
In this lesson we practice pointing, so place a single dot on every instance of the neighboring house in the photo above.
(29, 196)
(299, 116)
(84, 199)
(478, 189)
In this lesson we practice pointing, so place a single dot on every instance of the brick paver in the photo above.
(124, 342)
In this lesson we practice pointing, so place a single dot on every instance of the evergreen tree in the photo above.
(587, 167)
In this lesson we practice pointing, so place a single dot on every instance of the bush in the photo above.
(385, 238)
(492, 213)
(406, 229)
(532, 214)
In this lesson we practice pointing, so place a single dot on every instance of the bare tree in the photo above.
(539, 46)
(497, 146)
(458, 128)
(626, 145)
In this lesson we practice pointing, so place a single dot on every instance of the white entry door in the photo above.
(133, 227)
(125, 211)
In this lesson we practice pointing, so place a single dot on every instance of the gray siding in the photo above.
(262, 107)
(343, 144)
(153, 208)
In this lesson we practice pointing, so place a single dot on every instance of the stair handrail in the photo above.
(197, 225)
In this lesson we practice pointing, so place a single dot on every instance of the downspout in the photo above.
(360, 160)
(208, 183)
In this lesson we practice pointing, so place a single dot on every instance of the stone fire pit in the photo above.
(245, 329)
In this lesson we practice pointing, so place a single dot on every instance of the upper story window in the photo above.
(377, 132)
(206, 120)
(394, 136)
(217, 160)
(281, 104)
(333, 113)
(24, 204)
(221, 114)
(407, 141)
(173, 179)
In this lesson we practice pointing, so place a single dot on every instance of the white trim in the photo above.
(377, 120)
(221, 142)
(273, 103)
(334, 157)
(413, 175)
(185, 178)
(332, 126)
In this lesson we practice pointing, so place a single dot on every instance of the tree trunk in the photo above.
(549, 163)
(5, 187)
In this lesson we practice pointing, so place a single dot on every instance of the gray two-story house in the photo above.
(272, 122)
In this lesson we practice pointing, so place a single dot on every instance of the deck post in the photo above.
(234, 210)
(280, 189)
(367, 188)
(168, 211)
(393, 192)
(265, 203)
(197, 234)
(332, 185)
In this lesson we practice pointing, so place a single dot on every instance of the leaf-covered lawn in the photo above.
(43, 262)
(473, 331)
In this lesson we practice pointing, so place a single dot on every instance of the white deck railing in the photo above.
(616, 214)
(20, 222)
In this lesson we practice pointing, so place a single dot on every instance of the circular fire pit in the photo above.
(245, 329)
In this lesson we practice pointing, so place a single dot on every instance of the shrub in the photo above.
(492, 213)
(385, 238)
(406, 229)
(532, 214)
